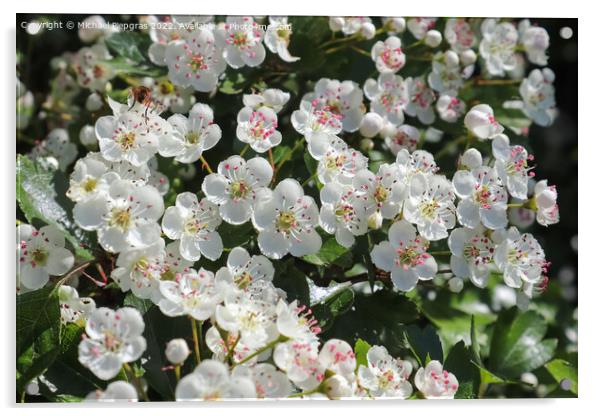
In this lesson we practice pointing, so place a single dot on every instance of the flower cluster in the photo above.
(169, 246)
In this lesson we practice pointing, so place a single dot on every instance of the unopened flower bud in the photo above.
(94, 102)
(433, 38)
(375, 221)
(468, 57)
(456, 284)
(87, 136)
(177, 351)
(371, 124)
(337, 387)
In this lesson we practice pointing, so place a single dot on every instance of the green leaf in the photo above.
(123, 66)
(234, 83)
(474, 343)
(158, 331)
(377, 318)
(487, 377)
(66, 372)
(143, 305)
(331, 252)
(424, 342)
(517, 344)
(37, 314)
(341, 302)
(128, 44)
(465, 391)
(38, 333)
(293, 281)
(37, 198)
(361, 352)
(563, 370)
(235, 235)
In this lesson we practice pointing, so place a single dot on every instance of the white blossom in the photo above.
(535, 40)
(520, 258)
(498, 45)
(430, 205)
(343, 98)
(73, 308)
(117, 391)
(195, 61)
(236, 185)
(193, 223)
(403, 137)
(385, 376)
(472, 254)
(342, 213)
(512, 165)
(270, 97)
(243, 38)
(278, 37)
(420, 100)
(405, 256)
(191, 135)
(482, 198)
(258, 128)
(459, 34)
(40, 254)
(434, 382)
(388, 96)
(286, 221)
(191, 293)
(481, 122)
(211, 380)
(545, 202)
(112, 338)
(124, 217)
(388, 55)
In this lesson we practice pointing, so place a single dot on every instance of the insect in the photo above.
(142, 95)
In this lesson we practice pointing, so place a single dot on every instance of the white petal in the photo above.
(404, 280)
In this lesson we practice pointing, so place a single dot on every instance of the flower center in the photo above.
(90, 184)
(345, 212)
(111, 342)
(243, 280)
(380, 194)
(166, 87)
(335, 162)
(39, 256)
(286, 221)
(197, 63)
(239, 190)
(192, 137)
(482, 196)
(429, 209)
(193, 226)
(120, 218)
(127, 140)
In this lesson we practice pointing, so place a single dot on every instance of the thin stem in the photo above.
(137, 383)
(286, 158)
(231, 349)
(497, 81)
(195, 340)
(517, 205)
(450, 146)
(244, 150)
(259, 351)
(177, 372)
(360, 50)
(205, 164)
(439, 253)
(304, 393)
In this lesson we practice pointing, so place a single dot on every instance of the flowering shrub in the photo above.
(240, 220)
